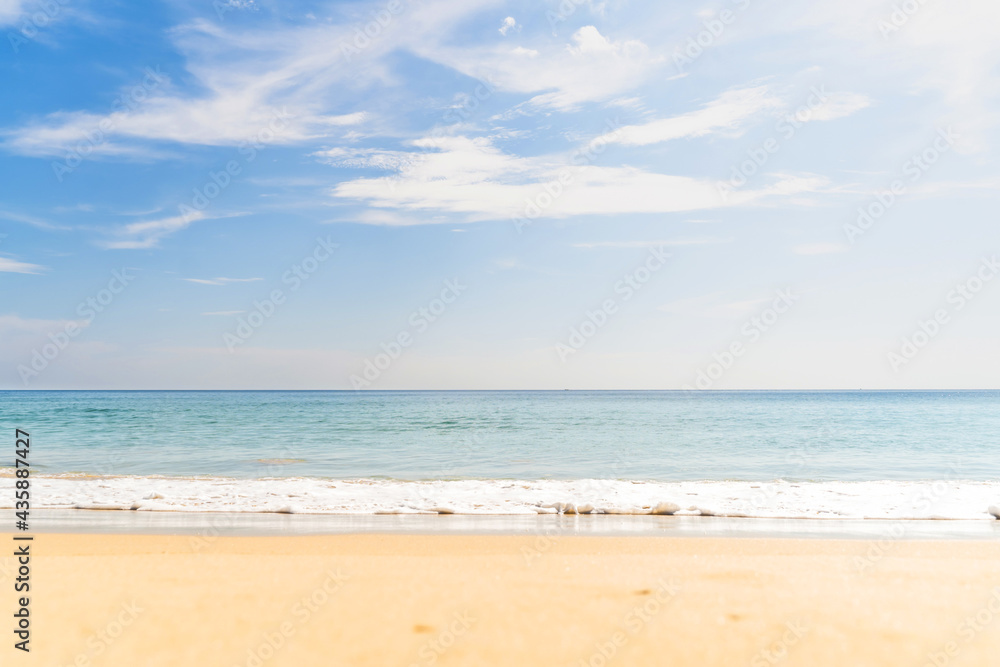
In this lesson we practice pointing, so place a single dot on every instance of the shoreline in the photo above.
(80, 521)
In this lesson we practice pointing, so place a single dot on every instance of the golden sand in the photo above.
(491, 600)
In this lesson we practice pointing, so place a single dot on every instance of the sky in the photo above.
(492, 194)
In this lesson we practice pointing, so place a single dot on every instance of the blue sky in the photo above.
(648, 195)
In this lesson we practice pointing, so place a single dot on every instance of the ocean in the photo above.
(515, 450)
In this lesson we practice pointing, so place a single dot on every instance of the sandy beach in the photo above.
(507, 600)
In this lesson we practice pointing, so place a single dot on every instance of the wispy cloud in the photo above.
(366, 158)
(31, 220)
(375, 216)
(473, 178)
(507, 263)
(949, 49)
(11, 323)
(839, 105)
(654, 244)
(591, 68)
(728, 113)
(241, 80)
(819, 248)
(147, 234)
(225, 312)
(8, 265)
(220, 281)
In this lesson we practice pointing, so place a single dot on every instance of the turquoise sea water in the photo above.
(513, 435)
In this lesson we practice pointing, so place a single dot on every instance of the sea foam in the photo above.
(951, 499)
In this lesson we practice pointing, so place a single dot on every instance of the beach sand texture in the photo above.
(134, 600)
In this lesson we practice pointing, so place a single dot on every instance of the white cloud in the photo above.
(507, 263)
(627, 102)
(220, 281)
(727, 113)
(147, 234)
(243, 77)
(471, 177)
(10, 11)
(588, 39)
(30, 220)
(375, 216)
(215, 122)
(948, 48)
(654, 244)
(8, 265)
(225, 312)
(591, 68)
(839, 105)
(241, 4)
(509, 24)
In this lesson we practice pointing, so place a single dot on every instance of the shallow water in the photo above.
(846, 436)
